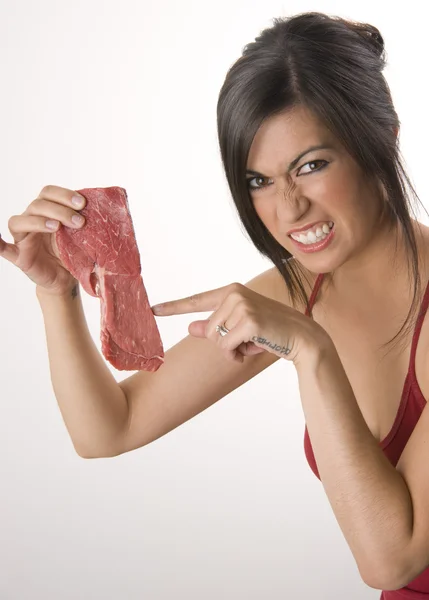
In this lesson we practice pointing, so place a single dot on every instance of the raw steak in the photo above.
(104, 258)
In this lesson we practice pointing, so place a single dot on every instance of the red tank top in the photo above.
(409, 411)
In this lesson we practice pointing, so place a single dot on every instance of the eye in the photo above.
(254, 188)
(311, 164)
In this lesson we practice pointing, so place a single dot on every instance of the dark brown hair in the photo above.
(334, 68)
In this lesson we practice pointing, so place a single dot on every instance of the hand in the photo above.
(34, 250)
(256, 323)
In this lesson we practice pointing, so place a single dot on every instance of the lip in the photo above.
(305, 227)
(317, 246)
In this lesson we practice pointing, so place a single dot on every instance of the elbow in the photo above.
(386, 577)
(404, 575)
(89, 455)
(85, 454)
(109, 447)
(379, 582)
(97, 452)
(374, 579)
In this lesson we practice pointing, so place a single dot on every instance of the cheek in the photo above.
(336, 192)
(267, 212)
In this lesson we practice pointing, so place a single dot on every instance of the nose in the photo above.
(290, 203)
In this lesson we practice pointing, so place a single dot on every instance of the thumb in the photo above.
(8, 251)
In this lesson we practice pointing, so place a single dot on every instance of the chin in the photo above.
(319, 262)
(326, 260)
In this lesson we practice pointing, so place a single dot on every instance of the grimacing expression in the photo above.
(298, 174)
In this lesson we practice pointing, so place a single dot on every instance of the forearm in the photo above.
(92, 404)
(369, 497)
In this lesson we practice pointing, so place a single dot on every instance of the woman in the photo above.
(308, 136)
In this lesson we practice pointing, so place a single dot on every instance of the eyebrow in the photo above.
(295, 160)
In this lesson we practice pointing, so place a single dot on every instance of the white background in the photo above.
(103, 93)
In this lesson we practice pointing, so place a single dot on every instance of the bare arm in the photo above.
(105, 418)
(369, 497)
(93, 406)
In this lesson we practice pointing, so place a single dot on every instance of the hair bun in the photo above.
(370, 34)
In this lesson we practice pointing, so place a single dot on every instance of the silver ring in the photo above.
(222, 329)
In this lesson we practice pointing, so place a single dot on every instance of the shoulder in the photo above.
(422, 237)
(271, 283)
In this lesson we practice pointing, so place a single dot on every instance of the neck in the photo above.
(382, 265)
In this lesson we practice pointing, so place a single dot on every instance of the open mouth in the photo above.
(315, 235)
(315, 240)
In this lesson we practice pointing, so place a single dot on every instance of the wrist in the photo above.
(318, 349)
(69, 292)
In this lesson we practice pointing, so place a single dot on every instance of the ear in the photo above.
(381, 191)
(396, 131)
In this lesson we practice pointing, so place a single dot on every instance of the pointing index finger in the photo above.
(202, 302)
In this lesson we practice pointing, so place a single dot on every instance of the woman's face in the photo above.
(296, 187)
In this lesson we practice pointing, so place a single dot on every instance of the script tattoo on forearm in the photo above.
(75, 291)
(276, 347)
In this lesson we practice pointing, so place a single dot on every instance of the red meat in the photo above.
(104, 258)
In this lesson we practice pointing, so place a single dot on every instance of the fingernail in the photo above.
(78, 200)
(51, 224)
(157, 309)
(77, 219)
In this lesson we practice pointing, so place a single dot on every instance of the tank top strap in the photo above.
(313, 296)
(419, 322)
(417, 329)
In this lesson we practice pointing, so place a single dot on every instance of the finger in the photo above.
(52, 210)
(202, 302)
(250, 349)
(8, 251)
(23, 224)
(56, 195)
(43, 217)
(231, 342)
(199, 329)
(64, 196)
